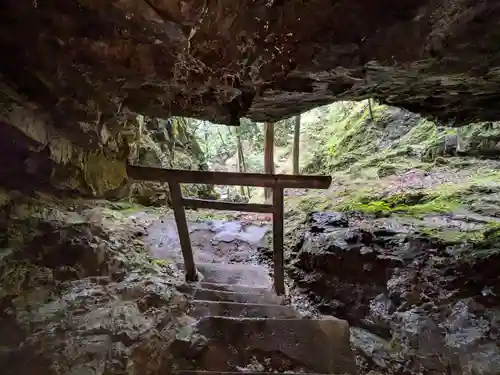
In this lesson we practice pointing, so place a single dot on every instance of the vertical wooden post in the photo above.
(296, 145)
(268, 154)
(279, 275)
(182, 229)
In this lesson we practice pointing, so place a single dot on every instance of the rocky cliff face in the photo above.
(166, 144)
(87, 61)
(85, 158)
(404, 244)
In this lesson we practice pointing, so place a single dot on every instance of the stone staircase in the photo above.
(248, 328)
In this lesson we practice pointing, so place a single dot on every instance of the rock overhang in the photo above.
(89, 61)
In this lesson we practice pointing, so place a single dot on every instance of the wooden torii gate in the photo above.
(277, 182)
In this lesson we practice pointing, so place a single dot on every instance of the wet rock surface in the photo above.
(213, 241)
(79, 293)
(418, 304)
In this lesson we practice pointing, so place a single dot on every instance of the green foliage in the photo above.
(283, 132)
(345, 136)
(218, 142)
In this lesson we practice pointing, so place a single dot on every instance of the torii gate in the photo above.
(274, 182)
(278, 182)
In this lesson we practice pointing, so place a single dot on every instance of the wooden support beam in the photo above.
(228, 178)
(227, 206)
(182, 229)
(268, 154)
(279, 273)
(296, 145)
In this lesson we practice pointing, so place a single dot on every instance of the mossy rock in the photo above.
(411, 203)
(387, 170)
(103, 174)
(451, 236)
(491, 237)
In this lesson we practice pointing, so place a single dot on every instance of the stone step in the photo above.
(236, 288)
(234, 274)
(300, 345)
(202, 309)
(218, 295)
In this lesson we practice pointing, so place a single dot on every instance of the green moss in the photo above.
(436, 205)
(454, 236)
(374, 208)
(363, 152)
(413, 203)
(103, 174)
(486, 176)
(313, 203)
(424, 131)
(161, 262)
(485, 243)
(204, 215)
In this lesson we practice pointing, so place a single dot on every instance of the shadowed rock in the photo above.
(268, 60)
(315, 345)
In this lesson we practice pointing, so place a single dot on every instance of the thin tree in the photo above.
(370, 109)
(241, 159)
(296, 144)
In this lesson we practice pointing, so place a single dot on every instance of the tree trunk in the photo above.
(244, 165)
(223, 144)
(239, 152)
(296, 144)
(268, 154)
(241, 159)
(370, 109)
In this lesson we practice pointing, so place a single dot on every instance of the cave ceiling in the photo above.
(220, 60)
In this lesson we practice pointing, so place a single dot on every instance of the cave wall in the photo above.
(88, 159)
